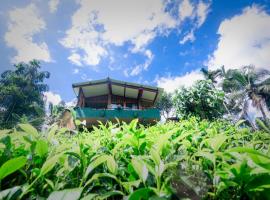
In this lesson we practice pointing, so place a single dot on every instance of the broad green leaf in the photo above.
(100, 175)
(133, 124)
(240, 122)
(129, 185)
(91, 196)
(217, 141)
(41, 148)
(155, 156)
(110, 194)
(141, 194)
(257, 157)
(29, 129)
(11, 193)
(111, 164)
(52, 132)
(11, 166)
(140, 168)
(4, 132)
(68, 194)
(207, 155)
(98, 161)
(49, 164)
(181, 137)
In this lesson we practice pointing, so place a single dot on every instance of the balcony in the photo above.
(92, 116)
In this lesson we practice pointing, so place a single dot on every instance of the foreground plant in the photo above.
(190, 159)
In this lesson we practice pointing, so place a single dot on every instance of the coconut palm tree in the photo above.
(213, 75)
(247, 84)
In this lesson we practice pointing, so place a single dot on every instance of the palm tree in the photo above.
(213, 75)
(247, 84)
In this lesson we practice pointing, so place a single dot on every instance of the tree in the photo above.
(201, 100)
(165, 104)
(247, 84)
(213, 75)
(21, 94)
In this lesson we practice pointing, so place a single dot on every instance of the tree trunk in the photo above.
(265, 118)
(244, 115)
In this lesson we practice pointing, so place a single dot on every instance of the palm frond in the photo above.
(264, 86)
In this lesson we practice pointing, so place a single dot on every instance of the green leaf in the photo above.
(155, 156)
(52, 132)
(207, 155)
(240, 122)
(11, 193)
(100, 175)
(68, 194)
(11, 166)
(29, 129)
(41, 148)
(49, 164)
(257, 157)
(111, 164)
(90, 196)
(217, 141)
(98, 161)
(110, 194)
(140, 168)
(129, 185)
(141, 194)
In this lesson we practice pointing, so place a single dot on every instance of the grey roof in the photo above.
(117, 87)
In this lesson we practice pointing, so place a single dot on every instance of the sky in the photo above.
(161, 43)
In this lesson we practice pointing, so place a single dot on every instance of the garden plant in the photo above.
(190, 159)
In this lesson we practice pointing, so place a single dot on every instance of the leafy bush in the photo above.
(202, 100)
(189, 159)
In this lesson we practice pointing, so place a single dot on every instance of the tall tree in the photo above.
(213, 75)
(247, 84)
(165, 104)
(21, 94)
(202, 100)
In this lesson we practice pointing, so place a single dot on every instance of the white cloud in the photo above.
(144, 66)
(85, 77)
(53, 98)
(188, 37)
(75, 71)
(53, 5)
(97, 24)
(244, 40)
(197, 13)
(23, 24)
(186, 10)
(75, 59)
(171, 83)
(202, 11)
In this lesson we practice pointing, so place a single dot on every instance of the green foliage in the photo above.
(21, 95)
(247, 84)
(202, 100)
(190, 159)
(68, 194)
(11, 166)
(165, 104)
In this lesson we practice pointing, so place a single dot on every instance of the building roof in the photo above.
(116, 87)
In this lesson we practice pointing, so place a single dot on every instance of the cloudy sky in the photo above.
(155, 42)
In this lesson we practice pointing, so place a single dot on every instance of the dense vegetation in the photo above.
(202, 100)
(21, 95)
(193, 159)
(215, 151)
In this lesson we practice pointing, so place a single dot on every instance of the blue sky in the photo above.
(155, 42)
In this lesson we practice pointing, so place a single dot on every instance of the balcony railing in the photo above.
(152, 113)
